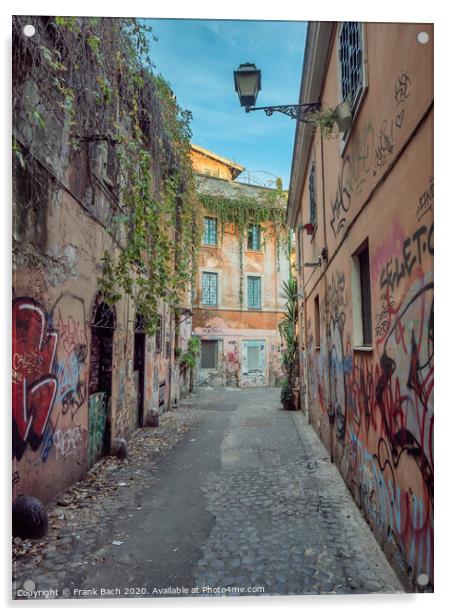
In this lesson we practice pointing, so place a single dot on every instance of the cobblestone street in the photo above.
(242, 497)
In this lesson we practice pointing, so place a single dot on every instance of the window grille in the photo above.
(254, 237)
(254, 292)
(312, 196)
(209, 289)
(210, 231)
(111, 164)
(351, 59)
(209, 354)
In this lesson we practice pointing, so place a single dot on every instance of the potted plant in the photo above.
(344, 116)
(289, 336)
(332, 120)
(287, 397)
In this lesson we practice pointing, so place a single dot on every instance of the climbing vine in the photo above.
(268, 211)
(92, 79)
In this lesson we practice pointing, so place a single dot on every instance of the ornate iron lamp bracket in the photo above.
(296, 112)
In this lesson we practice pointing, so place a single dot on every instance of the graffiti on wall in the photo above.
(253, 363)
(367, 154)
(339, 361)
(34, 382)
(232, 364)
(394, 400)
(401, 266)
(382, 403)
(425, 203)
(68, 442)
(97, 418)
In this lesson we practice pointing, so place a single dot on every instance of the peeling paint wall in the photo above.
(231, 321)
(64, 418)
(373, 407)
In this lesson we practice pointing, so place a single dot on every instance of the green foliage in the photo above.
(189, 357)
(269, 212)
(287, 394)
(95, 76)
(325, 120)
(288, 332)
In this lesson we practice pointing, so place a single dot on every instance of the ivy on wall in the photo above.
(94, 78)
(268, 211)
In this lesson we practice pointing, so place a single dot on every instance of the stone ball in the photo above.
(119, 448)
(29, 518)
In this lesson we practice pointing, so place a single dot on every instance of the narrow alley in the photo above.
(230, 495)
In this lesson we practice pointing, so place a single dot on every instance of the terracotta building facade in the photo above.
(84, 371)
(365, 269)
(237, 301)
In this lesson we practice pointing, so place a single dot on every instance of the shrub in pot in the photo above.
(287, 397)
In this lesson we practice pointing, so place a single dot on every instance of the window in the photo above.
(209, 289)
(210, 231)
(209, 354)
(254, 292)
(212, 172)
(312, 196)
(362, 307)
(111, 165)
(351, 60)
(317, 322)
(254, 237)
(366, 313)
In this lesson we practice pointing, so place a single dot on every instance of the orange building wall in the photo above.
(374, 408)
(232, 323)
(204, 164)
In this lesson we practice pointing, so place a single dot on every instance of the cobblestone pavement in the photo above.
(284, 519)
(230, 495)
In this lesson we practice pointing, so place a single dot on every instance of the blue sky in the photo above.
(198, 58)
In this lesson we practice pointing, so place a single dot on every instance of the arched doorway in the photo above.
(103, 322)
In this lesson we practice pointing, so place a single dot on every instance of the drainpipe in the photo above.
(325, 293)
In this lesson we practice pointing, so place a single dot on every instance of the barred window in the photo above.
(111, 166)
(254, 237)
(312, 196)
(209, 354)
(209, 289)
(210, 231)
(254, 292)
(351, 59)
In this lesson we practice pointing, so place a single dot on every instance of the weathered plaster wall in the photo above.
(374, 409)
(58, 423)
(231, 322)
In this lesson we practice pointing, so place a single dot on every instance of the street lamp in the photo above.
(247, 80)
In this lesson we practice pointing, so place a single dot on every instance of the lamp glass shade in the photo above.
(247, 79)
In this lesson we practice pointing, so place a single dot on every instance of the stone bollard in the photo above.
(152, 419)
(119, 448)
(29, 518)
